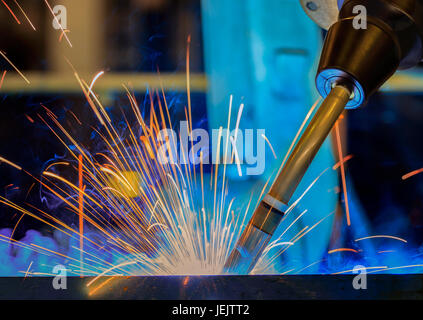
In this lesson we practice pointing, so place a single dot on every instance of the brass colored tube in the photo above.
(312, 139)
(271, 209)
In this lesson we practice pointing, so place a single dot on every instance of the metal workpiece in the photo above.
(272, 208)
(253, 287)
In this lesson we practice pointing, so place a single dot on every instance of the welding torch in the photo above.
(357, 58)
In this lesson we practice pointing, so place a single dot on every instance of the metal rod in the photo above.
(312, 139)
(271, 209)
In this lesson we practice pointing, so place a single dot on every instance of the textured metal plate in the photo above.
(219, 287)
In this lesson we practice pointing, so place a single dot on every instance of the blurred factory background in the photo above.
(262, 54)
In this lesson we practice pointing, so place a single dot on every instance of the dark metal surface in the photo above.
(219, 287)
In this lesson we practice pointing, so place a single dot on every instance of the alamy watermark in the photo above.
(360, 20)
(60, 20)
(60, 280)
(360, 281)
(247, 146)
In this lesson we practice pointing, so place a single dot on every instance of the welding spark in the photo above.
(29, 268)
(379, 268)
(382, 236)
(57, 21)
(14, 67)
(343, 178)
(62, 34)
(342, 250)
(338, 164)
(98, 75)
(25, 15)
(10, 163)
(146, 211)
(412, 173)
(109, 279)
(398, 268)
(2, 78)
(270, 145)
(11, 12)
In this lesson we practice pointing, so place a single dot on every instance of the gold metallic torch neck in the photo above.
(269, 213)
(309, 144)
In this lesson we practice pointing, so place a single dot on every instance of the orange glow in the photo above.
(2, 78)
(412, 173)
(10, 163)
(186, 280)
(29, 118)
(62, 34)
(100, 286)
(338, 164)
(144, 140)
(342, 249)
(11, 12)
